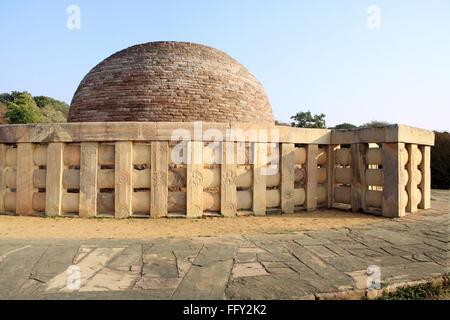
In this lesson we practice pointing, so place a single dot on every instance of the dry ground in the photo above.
(38, 227)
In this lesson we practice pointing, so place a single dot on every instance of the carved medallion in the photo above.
(122, 177)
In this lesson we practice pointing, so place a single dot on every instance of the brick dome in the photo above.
(170, 81)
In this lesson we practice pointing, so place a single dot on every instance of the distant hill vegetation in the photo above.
(440, 161)
(21, 107)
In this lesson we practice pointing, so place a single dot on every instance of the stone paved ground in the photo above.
(281, 266)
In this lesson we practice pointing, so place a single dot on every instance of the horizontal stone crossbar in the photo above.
(164, 131)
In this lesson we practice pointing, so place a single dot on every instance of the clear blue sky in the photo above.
(318, 55)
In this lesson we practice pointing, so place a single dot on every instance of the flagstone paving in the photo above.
(275, 266)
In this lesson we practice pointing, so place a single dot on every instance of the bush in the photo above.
(426, 291)
(375, 124)
(346, 126)
(43, 102)
(440, 161)
(307, 120)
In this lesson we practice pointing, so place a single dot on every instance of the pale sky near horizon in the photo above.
(309, 55)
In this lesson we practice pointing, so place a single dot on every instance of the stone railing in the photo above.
(134, 169)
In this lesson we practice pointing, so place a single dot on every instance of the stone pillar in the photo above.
(287, 177)
(411, 186)
(123, 176)
(311, 176)
(228, 191)
(395, 196)
(3, 149)
(358, 183)
(425, 183)
(25, 187)
(53, 181)
(88, 179)
(194, 188)
(331, 165)
(259, 178)
(159, 179)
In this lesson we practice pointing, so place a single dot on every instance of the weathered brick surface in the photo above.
(170, 81)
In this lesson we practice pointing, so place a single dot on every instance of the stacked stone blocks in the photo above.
(172, 82)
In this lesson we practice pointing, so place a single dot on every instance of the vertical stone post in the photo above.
(88, 179)
(359, 184)
(25, 187)
(331, 165)
(3, 148)
(311, 176)
(53, 186)
(425, 183)
(123, 177)
(287, 177)
(159, 192)
(228, 191)
(394, 193)
(259, 178)
(411, 186)
(194, 188)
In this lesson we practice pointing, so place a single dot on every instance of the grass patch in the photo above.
(8, 214)
(421, 292)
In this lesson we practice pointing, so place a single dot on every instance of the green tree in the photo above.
(5, 97)
(22, 109)
(9, 97)
(307, 120)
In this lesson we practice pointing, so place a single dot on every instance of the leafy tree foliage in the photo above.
(345, 125)
(43, 102)
(51, 115)
(23, 108)
(5, 97)
(307, 120)
(9, 97)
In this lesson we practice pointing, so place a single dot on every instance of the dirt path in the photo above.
(36, 227)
